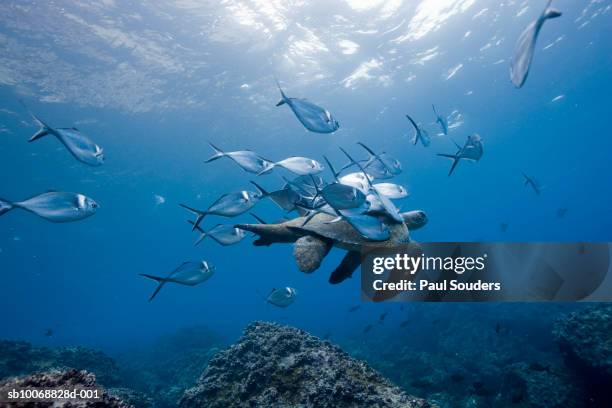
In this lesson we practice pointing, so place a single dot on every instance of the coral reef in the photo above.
(63, 379)
(279, 366)
(19, 358)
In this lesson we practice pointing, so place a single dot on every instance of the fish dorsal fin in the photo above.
(331, 168)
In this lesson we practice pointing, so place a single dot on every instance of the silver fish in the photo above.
(343, 197)
(392, 191)
(390, 163)
(390, 209)
(79, 145)
(228, 205)
(305, 186)
(55, 206)
(249, 161)
(223, 234)
(420, 134)
(525, 46)
(301, 166)
(471, 150)
(286, 198)
(377, 170)
(282, 297)
(441, 120)
(313, 117)
(358, 180)
(188, 274)
(369, 227)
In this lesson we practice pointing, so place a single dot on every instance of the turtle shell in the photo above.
(345, 236)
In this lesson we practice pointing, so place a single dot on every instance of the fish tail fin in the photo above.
(268, 169)
(455, 163)
(317, 189)
(283, 99)
(199, 215)
(201, 238)
(217, 155)
(197, 228)
(44, 128)
(43, 131)
(203, 234)
(261, 190)
(5, 206)
(551, 12)
(331, 168)
(526, 178)
(412, 121)
(157, 279)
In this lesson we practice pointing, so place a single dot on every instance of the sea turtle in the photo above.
(314, 240)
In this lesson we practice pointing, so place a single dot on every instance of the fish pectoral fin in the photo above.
(345, 270)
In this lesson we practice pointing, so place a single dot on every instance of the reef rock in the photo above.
(170, 365)
(540, 386)
(62, 379)
(19, 358)
(585, 339)
(279, 366)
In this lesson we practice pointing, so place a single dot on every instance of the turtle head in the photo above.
(415, 219)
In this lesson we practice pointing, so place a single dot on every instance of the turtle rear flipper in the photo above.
(309, 252)
(349, 263)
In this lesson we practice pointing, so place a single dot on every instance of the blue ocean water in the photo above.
(153, 83)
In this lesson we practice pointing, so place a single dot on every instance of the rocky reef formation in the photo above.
(585, 339)
(540, 386)
(63, 379)
(19, 358)
(489, 355)
(278, 366)
(170, 365)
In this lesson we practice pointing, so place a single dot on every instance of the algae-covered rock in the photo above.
(585, 339)
(19, 358)
(64, 380)
(540, 386)
(279, 366)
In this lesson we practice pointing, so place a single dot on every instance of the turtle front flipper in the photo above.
(349, 263)
(309, 252)
(270, 233)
